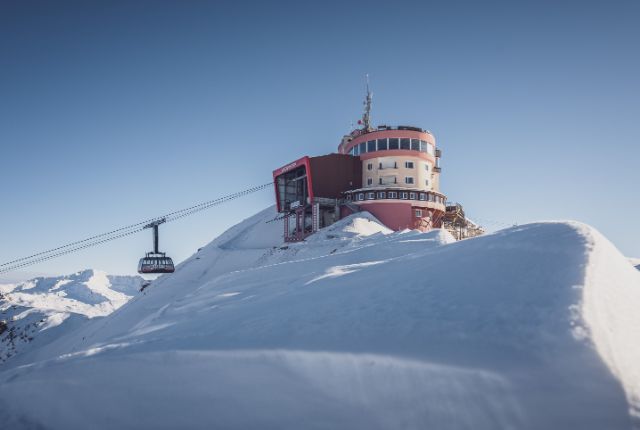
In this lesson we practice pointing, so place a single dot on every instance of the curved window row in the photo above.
(393, 143)
(402, 195)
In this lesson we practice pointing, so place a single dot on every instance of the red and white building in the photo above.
(391, 172)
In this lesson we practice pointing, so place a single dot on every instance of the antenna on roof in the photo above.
(366, 124)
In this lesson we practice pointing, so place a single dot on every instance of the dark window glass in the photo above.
(371, 146)
(423, 146)
(394, 143)
(382, 144)
(370, 166)
(405, 143)
(415, 145)
(356, 150)
(363, 147)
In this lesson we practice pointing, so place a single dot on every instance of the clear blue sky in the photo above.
(116, 111)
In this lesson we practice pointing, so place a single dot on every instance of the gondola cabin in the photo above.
(155, 263)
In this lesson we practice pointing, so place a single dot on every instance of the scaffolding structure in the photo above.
(460, 227)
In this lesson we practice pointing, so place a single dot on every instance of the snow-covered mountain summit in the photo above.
(37, 311)
(532, 327)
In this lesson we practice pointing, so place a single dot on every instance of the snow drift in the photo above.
(532, 327)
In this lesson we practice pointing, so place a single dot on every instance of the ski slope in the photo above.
(535, 326)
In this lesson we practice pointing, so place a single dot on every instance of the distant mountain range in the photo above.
(37, 311)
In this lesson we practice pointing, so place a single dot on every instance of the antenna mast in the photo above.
(367, 108)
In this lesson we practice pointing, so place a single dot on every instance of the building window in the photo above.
(394, 143)
(422, 196)
(363, 147)
(405, 143)
(426, 182)
(371, 196)
(393, 195)
(415, 145)
(418, 213)
(381, 195)
(370, 166)
(371, 146)
(408, 164)
(404, 195)
(356, 150)
(379, 181)
(408, 180)
(369, 181)
(386, 180)
(360, 196)
(382, 144)
(387, 163)
(412, 196)
(426, 167)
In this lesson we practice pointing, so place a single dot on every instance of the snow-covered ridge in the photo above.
(531, 327)
(39, 310)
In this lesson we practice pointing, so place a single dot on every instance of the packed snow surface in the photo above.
(533, 327)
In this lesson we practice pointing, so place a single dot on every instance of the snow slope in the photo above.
(40, 310)
(531, 327)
